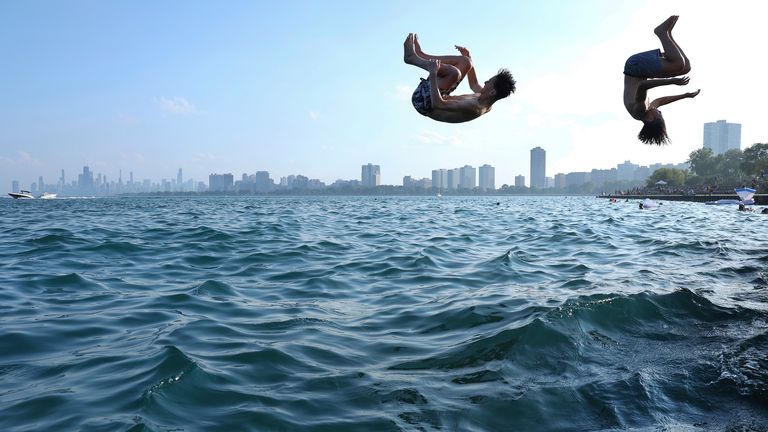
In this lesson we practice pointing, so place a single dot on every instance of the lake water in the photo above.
(381, 314)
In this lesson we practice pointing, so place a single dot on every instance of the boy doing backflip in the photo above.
(651, 69)
(433, 98)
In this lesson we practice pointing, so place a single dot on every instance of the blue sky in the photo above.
(319, 87)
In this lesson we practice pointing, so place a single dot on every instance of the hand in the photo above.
(694, 94)
(682, 80)
(463, 51)
(434, 66)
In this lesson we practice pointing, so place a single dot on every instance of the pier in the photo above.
(760, 199)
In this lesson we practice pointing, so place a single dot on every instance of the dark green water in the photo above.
(363, 314)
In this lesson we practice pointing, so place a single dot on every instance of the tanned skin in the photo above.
(674, 62)
(444, 73)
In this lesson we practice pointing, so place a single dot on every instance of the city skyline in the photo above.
(197, 86)
(466, 177)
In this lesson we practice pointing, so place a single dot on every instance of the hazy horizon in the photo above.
(320, 89)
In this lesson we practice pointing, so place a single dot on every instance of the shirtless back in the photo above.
(459, 109)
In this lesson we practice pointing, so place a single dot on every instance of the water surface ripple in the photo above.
(386, 314)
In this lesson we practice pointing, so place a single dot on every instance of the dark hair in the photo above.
(504, 84)
(654, 132)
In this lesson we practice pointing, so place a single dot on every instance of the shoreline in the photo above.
(760, 199)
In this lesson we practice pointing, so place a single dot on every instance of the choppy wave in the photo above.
(381, 314)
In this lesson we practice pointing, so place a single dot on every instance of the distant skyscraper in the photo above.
(722, 136)
(85, 180)
(371, 175)
(179, 179)
(440, 179)
(625, 171)
(262, 182)
(467, 177)
(41, 184)
(453, 177)
(538, 168)
(487, 178)
(15, 186)
(560, 181)
(550, 181)
(520, 180)
(220, 182)
(575, 179)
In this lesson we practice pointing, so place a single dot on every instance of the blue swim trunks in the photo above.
(422, 98)
(644, 65)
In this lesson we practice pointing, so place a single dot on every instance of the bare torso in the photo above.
(635, 98)
(459, 109)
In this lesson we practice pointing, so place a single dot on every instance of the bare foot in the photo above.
(417, 46)
(408, 52)
(666, 26)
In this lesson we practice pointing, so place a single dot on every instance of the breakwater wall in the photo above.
(760, 199)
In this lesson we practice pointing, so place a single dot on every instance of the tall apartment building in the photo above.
(440, 179)
(519, 180)
(626, 170)
(560, 181)
(453, 179)
(467, 177)
(722, 136)
(538, 168)
(371, 175)
(220, 182)
(487, 178)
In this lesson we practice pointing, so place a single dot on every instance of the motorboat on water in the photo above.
(24, 194)
(746, 197)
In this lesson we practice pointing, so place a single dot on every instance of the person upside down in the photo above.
(433, 98)
(646, 70)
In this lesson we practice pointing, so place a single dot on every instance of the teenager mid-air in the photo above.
(433, 98)
(651, 69)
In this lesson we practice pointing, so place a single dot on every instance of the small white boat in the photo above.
(21, 195)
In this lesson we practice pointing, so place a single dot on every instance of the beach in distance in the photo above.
(381, 314)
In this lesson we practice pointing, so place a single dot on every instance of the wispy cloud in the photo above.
(23, 159)
(175, 105)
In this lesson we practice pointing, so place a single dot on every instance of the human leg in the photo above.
(674, 62)
(448, 76)
(460, 62)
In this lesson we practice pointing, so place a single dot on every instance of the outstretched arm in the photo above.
(669, 99)
(651, 83)
(471, 75)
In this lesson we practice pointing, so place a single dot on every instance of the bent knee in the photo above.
(449, 72)
(464, 64)
(686, 69)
